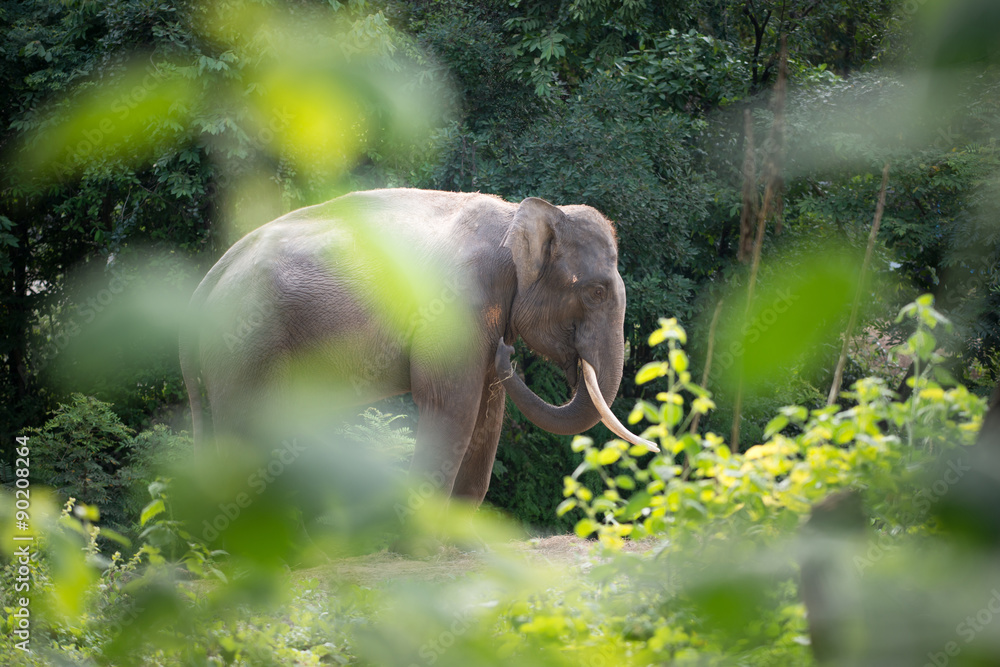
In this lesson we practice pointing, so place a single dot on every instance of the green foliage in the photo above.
(167, 537)
(687, 71)
(937, 232)
(115, 335)
(714, 581)
(376, 430)
(879, 444)
(152, 452)
(708, 507)
(85, 452)
(81, 452)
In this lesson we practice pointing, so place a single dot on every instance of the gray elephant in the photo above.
(301, 292)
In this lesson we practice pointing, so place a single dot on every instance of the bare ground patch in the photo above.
(566, 552)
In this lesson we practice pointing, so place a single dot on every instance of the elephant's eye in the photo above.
(597, 293)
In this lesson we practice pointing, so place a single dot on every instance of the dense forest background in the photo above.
(140, 139)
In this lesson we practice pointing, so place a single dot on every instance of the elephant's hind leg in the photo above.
(477, 467)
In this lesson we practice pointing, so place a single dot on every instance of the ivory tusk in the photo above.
(608, 417)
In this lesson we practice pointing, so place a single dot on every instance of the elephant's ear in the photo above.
(530, 237)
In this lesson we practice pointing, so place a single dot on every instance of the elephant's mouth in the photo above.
(571, 369)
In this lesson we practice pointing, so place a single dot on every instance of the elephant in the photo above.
(294, 288)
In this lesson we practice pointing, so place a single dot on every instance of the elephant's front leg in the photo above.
(448, 409)
(477, 468)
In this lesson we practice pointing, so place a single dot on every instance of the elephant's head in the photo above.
(570, 307)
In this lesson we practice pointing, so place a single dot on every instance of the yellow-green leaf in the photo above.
(608, 455)
(775, 425)
(651, 371)
(585, 527)
(679, 360)
(566, 506)
(151, 510)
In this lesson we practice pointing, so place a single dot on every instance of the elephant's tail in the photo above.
(189, 345)
(190, 369)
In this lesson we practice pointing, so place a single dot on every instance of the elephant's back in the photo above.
(426, 220)
(310, 281)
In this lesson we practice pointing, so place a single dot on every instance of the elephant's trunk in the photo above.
(588, 406)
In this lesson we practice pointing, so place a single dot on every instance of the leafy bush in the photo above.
(376, 430)
(724, 525)
(152, 452)
(80, 452)
(84, 451)
(687, 71)
(879, 445)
